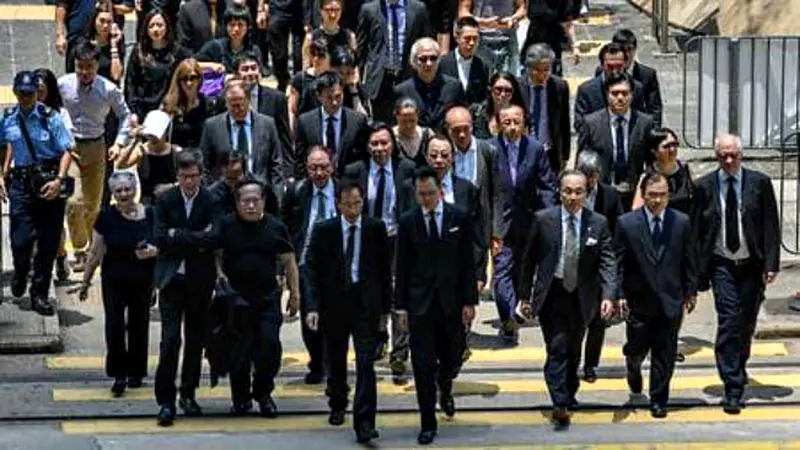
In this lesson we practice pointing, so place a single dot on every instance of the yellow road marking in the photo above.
(33, 12)
(411, 420)
(487, 388)
(599, 20)
(589, 48)
(532, 355)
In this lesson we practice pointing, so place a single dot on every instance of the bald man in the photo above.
(738, 238)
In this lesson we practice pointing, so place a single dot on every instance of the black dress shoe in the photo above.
(635, 380)
(267, 408)
(589, 375)
(18, 284)
(62, 269)
(658, 411)
(118, 388)
(732, 405)
(561, 416)
(135, 382)
(336, 418)
(42, 306)
(314, 377)
(448, 405)
(366, 433)
(190, 407)
(241, 409)
(426, 437)
(166, 415)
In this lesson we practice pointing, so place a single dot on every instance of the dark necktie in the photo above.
(241, 140)
(571, 256)
(620, 162)
(349, 254)
(731, 217)
(320, 207)
(536, 109)
(330, 137)
(658, 233)
(377, 210)
(433, 230)
(394, 59)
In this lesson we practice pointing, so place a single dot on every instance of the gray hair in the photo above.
(406, 102)
(538, 53)
(418, 46)
(589, 163)
(122, 178)
(727, 138)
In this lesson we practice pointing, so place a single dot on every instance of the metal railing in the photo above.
(660, 24)
(790, 173)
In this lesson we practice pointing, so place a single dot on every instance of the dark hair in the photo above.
(436, 136)
(227, 158)
(347, 185)
(47, 77)
(377, 127)
(144, 46)
(424, 173)
(466, 22)
(250, 181)
(618, 78)
(625, 37)
(319, 47)
(102, 7)
(237, 12)
(328, 80)
(325, 2)
(651, 177)
(342, 56)
(246, 56)
(516, 96)
(86, 50)
(612, 48)
(653, 140)
(188, 159)
(571, 173)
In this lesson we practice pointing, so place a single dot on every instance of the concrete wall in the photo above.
(758, 17)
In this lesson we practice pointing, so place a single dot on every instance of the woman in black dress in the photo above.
(411, 138)
(330, 13)
(123, 243)
(503, 90)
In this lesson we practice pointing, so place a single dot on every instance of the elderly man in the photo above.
(430, 89)
(738, 253)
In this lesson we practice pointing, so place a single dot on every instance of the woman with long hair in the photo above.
(187, 107)
(302, 95)
(330, 12)
(503, 90)
(107, 35)
(412, 139)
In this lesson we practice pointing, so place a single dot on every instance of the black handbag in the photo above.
(39, 173)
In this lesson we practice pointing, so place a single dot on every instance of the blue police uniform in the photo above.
(33, 218)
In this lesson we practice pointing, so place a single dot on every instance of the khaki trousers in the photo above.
(84, 205)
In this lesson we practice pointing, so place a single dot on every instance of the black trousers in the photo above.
(281, 25)
(545, 32)
(436, 347)
(594, 342)
(126, 342)
(182, 301)
(738, 293)
(258, 352)
(383, 104)
(658, 336)
(313, 340)
(340, 325)
(563, 329)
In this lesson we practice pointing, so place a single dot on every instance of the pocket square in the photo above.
(453, 230)
(591, 241)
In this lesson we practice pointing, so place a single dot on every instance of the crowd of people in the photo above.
(414, 154)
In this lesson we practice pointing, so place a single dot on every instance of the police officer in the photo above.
(40, 147)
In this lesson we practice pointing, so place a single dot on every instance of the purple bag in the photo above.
(213, 84)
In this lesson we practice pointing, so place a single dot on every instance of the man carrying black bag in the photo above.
(40, 146)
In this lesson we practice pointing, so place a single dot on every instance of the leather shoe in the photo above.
(62, 269)
(561, 416)
(18, 284)
(658, 411)
(241, 409)
(448, 405)
(166, 415)
(635, 380)
(589, 375)
(135, 382)
(42, 306)
(267, 408)
(336, 418)
(366, 433)
(398, 367)
(426, 437)
(314, 377)
(118, 388)
(732, 405)
(190, 407)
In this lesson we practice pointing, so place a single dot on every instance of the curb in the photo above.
(778, 332)
(31, 344)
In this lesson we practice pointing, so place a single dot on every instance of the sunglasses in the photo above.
(190, 78)
(427, 59)
(503, 90)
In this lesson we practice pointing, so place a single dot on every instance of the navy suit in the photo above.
(516, 202)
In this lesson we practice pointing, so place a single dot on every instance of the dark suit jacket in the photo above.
(596, 263)
(607, 203)
(478, 78)
(558, 118)
(372, 36)
(429, 272)
(266, 147)
(655, 282)
(591, 97)
(402, 170)
(326, 260)
(648, 77)
(296, 209)
(352, 139)
(191, 242)
(194, 24)
(432, 114)
(273, 104)
(759, 215)
(536, 188)
(595, 135)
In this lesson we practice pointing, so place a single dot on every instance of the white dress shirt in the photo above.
(357, 242)
(464, 66)
(188, 203)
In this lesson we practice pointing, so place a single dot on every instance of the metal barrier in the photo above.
(660, 26)
(748, 86)
(790, 175)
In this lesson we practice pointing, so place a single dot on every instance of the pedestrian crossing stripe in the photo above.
(523, 355)
(532, 384)
(756, 445)
(292, 423)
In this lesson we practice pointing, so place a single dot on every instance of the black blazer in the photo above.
(648, 77)
(442, 271)
(596, 263)
(591, 97)
(326, 271)
(608, 203)
(194, 24)
(372, 37)
(759, 215)
(595, 135)
(449, 94)
(193, 241)
(273, 104)
(402, 170)
(653, 282)
(352, 139)
(296, 209)
(558, 118)
(478, 78)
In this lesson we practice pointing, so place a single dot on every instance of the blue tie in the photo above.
(620, 163)
(537, 109)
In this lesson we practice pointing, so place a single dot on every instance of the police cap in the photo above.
(25, 82)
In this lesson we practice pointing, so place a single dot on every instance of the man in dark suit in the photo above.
(591, 95)
(547, 99)
(200, 21)
(463, 65)
(433, 91)
(270, 102)
(250, 133)
(307, 202)
(524, 184)
(350, 277)
(739, 238)
(657, 279)
(642, 73)
(384, 37)
(434, 294)
(619, 135)
(602, 199)
(184, 233)
(567, 244)
(340, 130)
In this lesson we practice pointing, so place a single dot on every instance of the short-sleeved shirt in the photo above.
(122, 236)
(250, 252)
(46, 129)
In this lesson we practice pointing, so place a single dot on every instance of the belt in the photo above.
(734, 262)
(82, 140)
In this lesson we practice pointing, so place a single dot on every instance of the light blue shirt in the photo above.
(88, 106)
(337, 128)
(651, 223)
(48, 133)
(467, 163)
(357, 242)
(591, 198)
(248, 131)
(330, 211)
(447, 188)
(401, 33)
(544, 120)
(389, 199)
(564, 224)
(438, 213)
